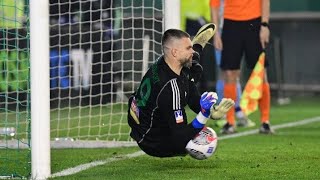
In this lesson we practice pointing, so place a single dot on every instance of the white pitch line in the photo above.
(280, 126)
(83, 167)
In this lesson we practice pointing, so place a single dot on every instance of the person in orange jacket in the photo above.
(245, 31)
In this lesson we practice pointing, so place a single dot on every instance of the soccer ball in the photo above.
(203, 145)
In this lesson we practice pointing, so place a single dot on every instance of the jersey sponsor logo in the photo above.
(178, 115)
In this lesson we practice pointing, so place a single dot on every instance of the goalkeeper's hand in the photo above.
(207, 100)
(218, 111)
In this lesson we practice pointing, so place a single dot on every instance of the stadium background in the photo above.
(293, 50)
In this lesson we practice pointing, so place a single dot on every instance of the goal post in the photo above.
(172, 15)
(40, 89)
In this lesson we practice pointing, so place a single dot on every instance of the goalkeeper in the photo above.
(156, 112)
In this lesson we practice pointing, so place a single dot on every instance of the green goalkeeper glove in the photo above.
(218, 111)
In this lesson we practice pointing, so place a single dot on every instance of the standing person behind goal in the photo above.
(245, 30)
(156, 111)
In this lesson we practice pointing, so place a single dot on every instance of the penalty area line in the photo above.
(82, 167)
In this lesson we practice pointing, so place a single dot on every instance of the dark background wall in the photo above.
(294, 5)
(295, 26)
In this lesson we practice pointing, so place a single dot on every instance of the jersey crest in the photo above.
(179, 116)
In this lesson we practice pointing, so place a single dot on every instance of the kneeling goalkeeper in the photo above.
(156, 112)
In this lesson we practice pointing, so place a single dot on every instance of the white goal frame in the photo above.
(40, 89)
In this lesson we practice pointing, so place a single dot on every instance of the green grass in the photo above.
(104, 122)
(293, 153)
(299, 108)
(15, 162)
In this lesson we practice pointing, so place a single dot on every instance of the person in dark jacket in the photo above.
(156, 112)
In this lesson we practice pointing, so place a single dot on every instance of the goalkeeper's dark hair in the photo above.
(173, 34)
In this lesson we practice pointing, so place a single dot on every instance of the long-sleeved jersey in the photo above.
(157, 114)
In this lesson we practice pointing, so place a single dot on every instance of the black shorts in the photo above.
(238, 38)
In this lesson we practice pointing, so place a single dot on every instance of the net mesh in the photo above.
(14, 89)
(98, 53)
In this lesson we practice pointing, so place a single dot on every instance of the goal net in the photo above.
(99, 51)
(14, 89)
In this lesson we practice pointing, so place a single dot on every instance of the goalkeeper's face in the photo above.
(186, 52)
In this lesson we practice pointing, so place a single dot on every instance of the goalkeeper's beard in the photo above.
(186, 62)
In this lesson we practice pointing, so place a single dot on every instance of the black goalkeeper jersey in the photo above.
(157, 114)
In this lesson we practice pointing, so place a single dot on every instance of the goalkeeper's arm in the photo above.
(218, 111)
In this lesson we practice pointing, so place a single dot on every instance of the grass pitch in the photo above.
(292, 153)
